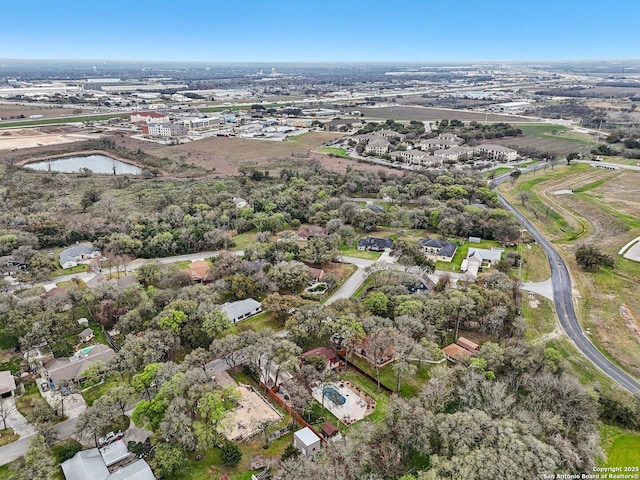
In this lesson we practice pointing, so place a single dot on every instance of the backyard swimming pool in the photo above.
(335, 396)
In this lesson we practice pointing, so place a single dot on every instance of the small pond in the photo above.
(95, 163)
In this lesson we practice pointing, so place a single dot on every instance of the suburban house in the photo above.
(461, 350)
(333, 361)
(55, 291)
(85, 335)
(7, 384)
(72, 256)
(199, 270)
(307, 442)
(310, 231)
(365, 350)
(70, 369)
(92, 464)
(439, 250)
(316, 273)
(480, 258)
(375, 244)
(242, 309)
(455, 353)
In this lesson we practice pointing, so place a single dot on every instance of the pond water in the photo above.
(95, 163)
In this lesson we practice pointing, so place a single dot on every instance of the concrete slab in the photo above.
(633, 253)
(544, 289)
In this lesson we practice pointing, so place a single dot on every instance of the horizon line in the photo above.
(313, 62)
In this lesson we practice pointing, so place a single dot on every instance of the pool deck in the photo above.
(354, 408)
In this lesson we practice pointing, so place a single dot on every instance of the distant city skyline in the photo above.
(327, 31)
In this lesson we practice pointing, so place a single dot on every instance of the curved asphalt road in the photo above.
(564, 303)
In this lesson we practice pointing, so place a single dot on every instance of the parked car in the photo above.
(44, 386)
(110, 438)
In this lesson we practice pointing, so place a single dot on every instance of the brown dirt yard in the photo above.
(12, 112)
(224, 155)
(20, 138)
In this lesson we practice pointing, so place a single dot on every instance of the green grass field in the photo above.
(622, 447)
(338, 152)
(350, 251)
(49, 121)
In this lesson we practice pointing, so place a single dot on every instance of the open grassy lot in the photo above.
(340, 152)
(544, 137)
(622, 447)
(496, 172)
(540, 316)
(223, 155)
(535, 265)
(406, 113)
(49, 121)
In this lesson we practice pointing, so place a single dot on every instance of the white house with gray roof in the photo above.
(72, 256)
(90, 465)
(242, 309)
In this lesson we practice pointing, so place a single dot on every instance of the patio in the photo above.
(343, 401)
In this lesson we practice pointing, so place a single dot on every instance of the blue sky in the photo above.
(320, 30)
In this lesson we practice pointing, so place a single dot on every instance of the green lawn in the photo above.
(496, 172)
(92, 394)
(260, 322)
(410, 385)
(338, 152)
(351, 251)
(370, 389)
(622, 447)
(461, 254)
(243, 240)
(540, 320)
(69, 271)
(49, 121)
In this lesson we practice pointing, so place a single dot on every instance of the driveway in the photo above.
(16, 420)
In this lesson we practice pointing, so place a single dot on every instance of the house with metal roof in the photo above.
(242, 309)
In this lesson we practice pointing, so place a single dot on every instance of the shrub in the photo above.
(230, 454)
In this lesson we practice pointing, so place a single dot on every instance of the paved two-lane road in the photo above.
(563, 301)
